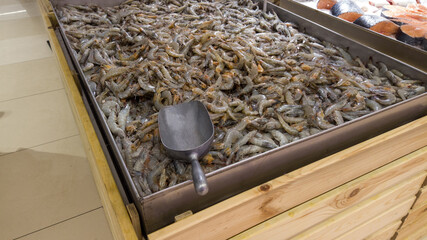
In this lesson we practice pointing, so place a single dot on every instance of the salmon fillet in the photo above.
(347, 10)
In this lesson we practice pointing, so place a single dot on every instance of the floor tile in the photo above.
(24, 49)
(92, 225)
(35, 120)
(16, 9)
(29, 78)
(22, 27)
(9, 2)
(43, 186)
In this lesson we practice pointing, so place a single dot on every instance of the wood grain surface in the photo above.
(320, 208)
(404, 193)
(385, 233)
(422, 198)
(378, 223)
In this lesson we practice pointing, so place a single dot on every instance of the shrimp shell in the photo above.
(264, 82)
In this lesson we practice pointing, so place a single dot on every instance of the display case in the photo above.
(345, 180)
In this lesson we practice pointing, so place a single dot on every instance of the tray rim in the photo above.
(185, 184)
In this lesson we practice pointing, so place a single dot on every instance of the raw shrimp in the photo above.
(264, 82)
(280, 137)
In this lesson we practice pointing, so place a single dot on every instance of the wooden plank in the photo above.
(414, 229)
(258, 204)
(422, 198)
(420, 234)
(417, 214)
(385, 233)
(366, 210)
(335, 201)
(134, 217)
(46, 6)
(45, 17)
(378, 222)
(115, 210)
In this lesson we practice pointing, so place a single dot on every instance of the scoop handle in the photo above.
(199, 179)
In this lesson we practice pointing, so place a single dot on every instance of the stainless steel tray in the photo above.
(160, 208)
(412, 55)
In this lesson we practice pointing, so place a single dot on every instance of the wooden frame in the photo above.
(115, 210)
(414, 225)
(368, 228)
(392, 204)
(338, 200)
(422, 198)
(385, 233)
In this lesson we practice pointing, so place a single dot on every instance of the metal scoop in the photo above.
(186, 131)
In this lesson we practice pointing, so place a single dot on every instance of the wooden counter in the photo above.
(363, 192)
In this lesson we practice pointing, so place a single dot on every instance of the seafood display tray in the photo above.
(388, 45)
(159, 209)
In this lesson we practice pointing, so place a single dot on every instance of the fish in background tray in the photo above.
(347, 10)
(406, 20)
(413, 23)
(377, 24)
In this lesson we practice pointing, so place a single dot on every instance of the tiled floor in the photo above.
(46, 187)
